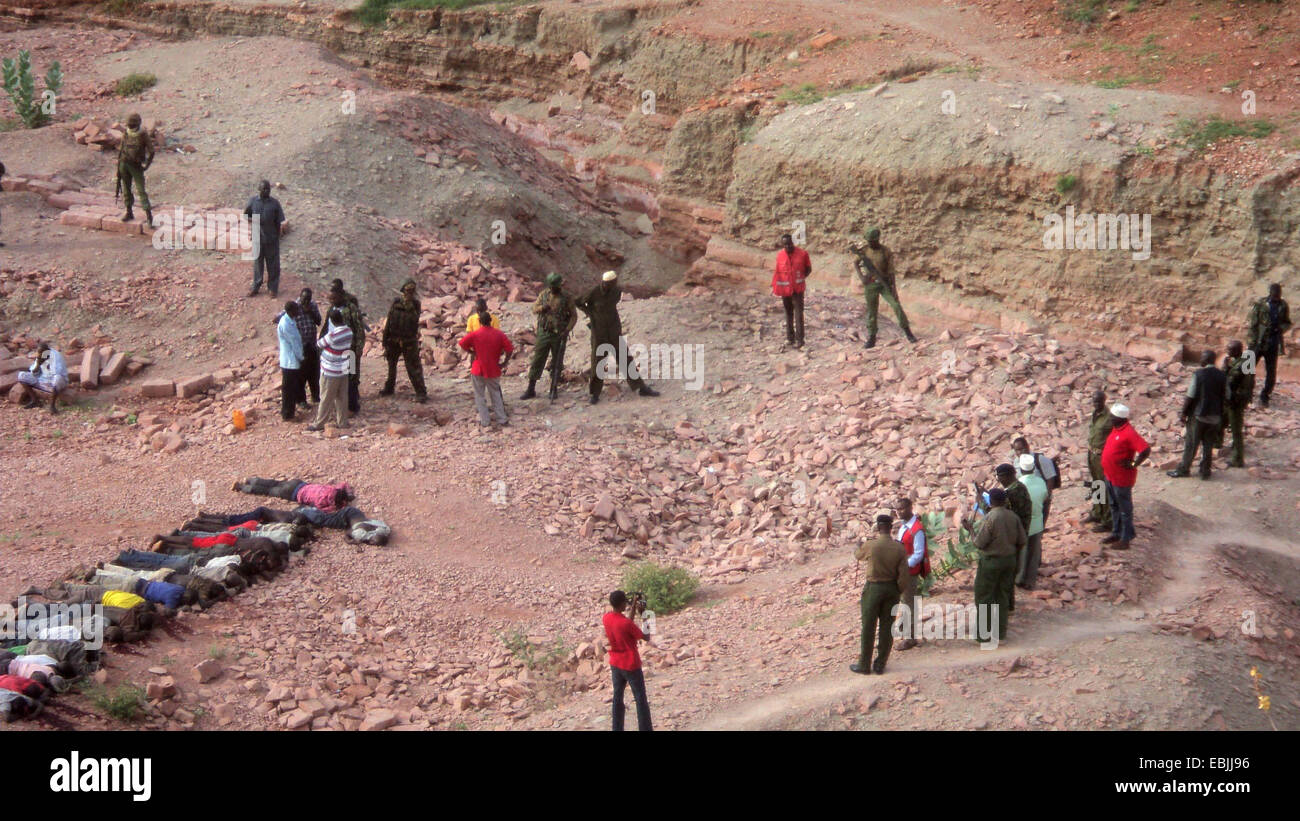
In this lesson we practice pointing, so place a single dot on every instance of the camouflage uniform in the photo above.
(1098, 432)
(1241, 387)
(402, 340)
(873, 290)
(133, 155)
(354, 319)
(556, 316)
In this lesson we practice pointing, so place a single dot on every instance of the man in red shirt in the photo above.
(486, 345)
(1123, 452)
(792, 267)
(625, 661)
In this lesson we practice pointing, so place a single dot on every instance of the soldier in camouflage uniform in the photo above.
(1270, 319)
(1241, 388)
(134, 156)
(1098, 432)
(556, 315)
(601, 306)
(402, 340)
(355, 320)
(878, 283)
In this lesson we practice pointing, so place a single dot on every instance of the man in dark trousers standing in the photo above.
(625, 661)
(887, 577)
(1270, 319)
(1124, 452)
(265, 218)
(1000, 538)
(354, 319)
(401, 340)
(1098, 430)
(1241, 389)
(1207, 397)
(601, 307)
(793, 266)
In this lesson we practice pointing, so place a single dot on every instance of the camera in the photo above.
(636, 602)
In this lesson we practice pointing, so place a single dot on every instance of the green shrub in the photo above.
(806, 94)
(666, 588)
(535, 656)
(375, 12)
(34, 110)
(123, 703)
(1198, 135)
(134, 83)
(1066, 183)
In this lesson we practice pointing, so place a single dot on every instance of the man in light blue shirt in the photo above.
(48, 374)
(1027, 572)
(291, 376)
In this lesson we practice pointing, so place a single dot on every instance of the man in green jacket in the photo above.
(401, 340)
(134, 156)
(1241, 389)
(887, 575)
(1270, 319)
(999, 540)
(556, 315)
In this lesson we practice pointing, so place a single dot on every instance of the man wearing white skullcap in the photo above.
(1124, 451)
(1032, 555)
(601, 307)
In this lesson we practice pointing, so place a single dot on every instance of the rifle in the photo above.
(557, 367)
(875, 274)
(117, 193)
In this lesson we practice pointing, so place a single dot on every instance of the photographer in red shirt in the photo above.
(625, 661)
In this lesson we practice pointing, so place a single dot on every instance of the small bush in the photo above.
(1066, 183)
(535, 656)
(33, 109)
(806, 94)
(375, 12)
(666, 588)
(135, 83)
(123, 703)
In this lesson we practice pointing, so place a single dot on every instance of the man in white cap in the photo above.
(601, 307)
(1124, 451)
(1032, 555)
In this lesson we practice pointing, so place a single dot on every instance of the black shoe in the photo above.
(553, 394)
(878, 667)
(148, 217)
(253, 292)
(130, 215)
(1177, 474)
(860, 670)
(1111, 539)
(273, 294)
(1263, 401)
(1205, 477)
(647, 391)
(531, 393)
(911, 337)
(595, 397)
(387, 391)
(871, 343)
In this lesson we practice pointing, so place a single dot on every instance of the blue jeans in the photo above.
(636, 678)
(1121, 509)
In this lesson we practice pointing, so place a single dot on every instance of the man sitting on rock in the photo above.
(47, 375)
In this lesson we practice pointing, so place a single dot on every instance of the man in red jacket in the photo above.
(625, 661)
(792, 267)
(486, 345)
(1125, 450)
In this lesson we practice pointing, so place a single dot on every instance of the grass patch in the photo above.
(760, 35)
(543, 657)
(124, 703)
(375, 12)
(666, 589)
(911, 66)
(1066, 183)
(747, 133)
(217, 652)
(806, 94)
(10, 124)
(1198, 135)
(135, 83)
(1083, 11)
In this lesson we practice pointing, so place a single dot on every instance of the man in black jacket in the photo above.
(1203, 409)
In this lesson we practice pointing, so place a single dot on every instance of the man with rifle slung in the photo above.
(875, 266)
(556, 316)
(134, 156)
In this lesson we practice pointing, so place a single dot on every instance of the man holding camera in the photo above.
(624, 660)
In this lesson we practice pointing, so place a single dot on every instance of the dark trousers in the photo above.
(793, 317)
(596, 384)
(1202, 436)
(1236, 418)
(1100, 509)
(878, 600)
(994, 585)
(268, 259)
(310, 374)
(1121, 511)
(1028, 561)
(1270, 372)
(270, 487)
(290, 388)
(354, 387)
(635, 678)
(410, 352)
